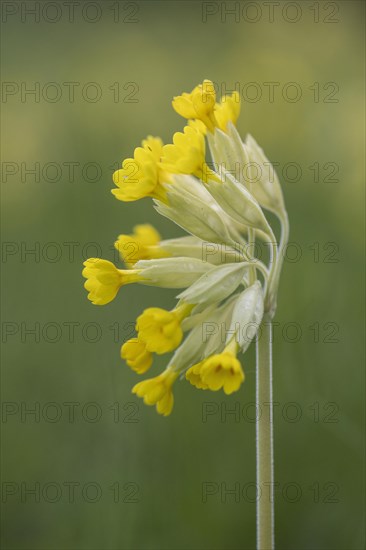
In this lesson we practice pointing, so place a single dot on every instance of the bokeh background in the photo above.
(138, 479)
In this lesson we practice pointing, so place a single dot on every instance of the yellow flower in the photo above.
(222, 370)
(143, 244)
(186, 155)
(135, 354)
(142, 176)
(104, 280)
(158, 391)
(160, 329)
(199, 104)
(194, 377)
(227, 110)
(198, 125)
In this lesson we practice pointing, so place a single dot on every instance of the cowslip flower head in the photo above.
(142, 175)
(136, 355)
(223, 296)
(103, 280)
(160, 329)
(142, 244)
(158, 391)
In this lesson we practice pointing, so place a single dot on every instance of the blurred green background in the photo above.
(138, 479)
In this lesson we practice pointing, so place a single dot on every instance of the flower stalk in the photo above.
(264, 437)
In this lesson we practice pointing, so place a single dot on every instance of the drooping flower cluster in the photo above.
(219, 203)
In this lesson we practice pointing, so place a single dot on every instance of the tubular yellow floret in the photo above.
(143, 244)
(228, 110)
(198, 125)
(193, 375)
(158, 391)
(142, 175)
(198, 104)
(135, 354)
(220, 371)
(160, 329)
(103, 280)
(186, 155)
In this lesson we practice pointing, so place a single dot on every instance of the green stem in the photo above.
(264, 439)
